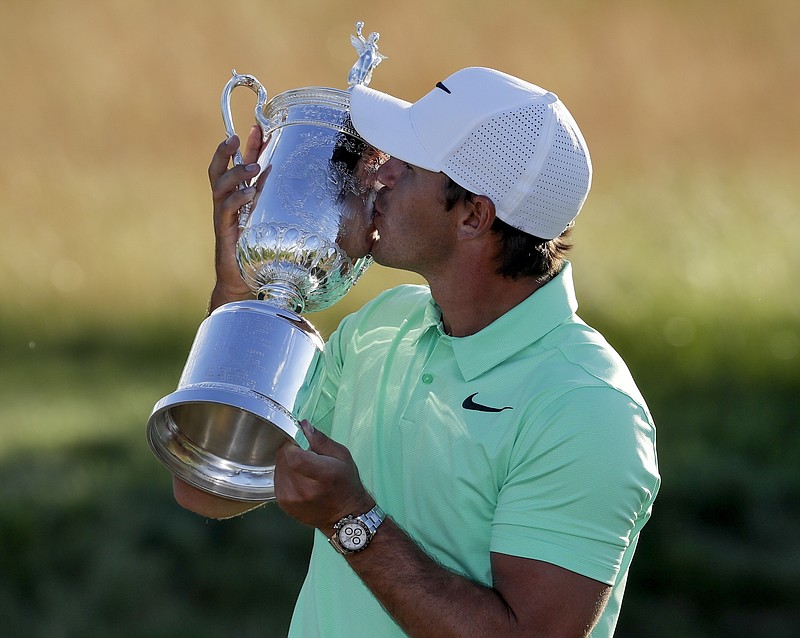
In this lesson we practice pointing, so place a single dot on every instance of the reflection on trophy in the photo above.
(302, 247)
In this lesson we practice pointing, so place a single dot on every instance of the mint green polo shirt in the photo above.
(528, 438)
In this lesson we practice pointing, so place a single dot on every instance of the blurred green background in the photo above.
(686, 258)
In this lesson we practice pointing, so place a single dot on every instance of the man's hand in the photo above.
(228, 199)
(320, 485)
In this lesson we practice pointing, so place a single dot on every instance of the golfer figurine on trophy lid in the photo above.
(300, 249)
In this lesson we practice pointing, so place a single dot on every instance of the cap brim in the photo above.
(386, 123)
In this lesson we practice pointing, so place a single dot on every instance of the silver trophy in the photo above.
(301, 248)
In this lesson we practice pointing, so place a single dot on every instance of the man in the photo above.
(482, 460)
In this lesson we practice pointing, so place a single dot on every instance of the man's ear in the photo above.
(477, 216)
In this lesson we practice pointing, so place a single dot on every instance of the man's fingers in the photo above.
(222, 158)
(322, 444)
(228, 182)
(307, 463)
(235, 200)
(252, 146)
(263, 178)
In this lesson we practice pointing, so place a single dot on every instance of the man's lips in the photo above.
(377, 205)
(373, 225)
(375, 214)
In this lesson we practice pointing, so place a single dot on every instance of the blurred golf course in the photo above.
(686, 257)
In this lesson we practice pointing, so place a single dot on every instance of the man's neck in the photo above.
(470, 301)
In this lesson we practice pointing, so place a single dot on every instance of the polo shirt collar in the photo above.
(523, 325)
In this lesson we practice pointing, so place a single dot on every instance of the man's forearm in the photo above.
(220, 296)
(423, 597)
(528, 597)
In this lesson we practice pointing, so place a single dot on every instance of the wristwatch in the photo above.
(353, 533)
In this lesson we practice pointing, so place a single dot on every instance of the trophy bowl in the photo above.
(315, 186)
(303, 244)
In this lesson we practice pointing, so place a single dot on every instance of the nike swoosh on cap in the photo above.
(469, 404)
(439, 85)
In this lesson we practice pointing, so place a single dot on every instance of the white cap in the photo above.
(493, 134)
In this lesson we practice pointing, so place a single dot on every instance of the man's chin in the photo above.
(375, 250)
(372, 241)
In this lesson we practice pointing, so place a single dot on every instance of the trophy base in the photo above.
(250, 367)
(220, 441)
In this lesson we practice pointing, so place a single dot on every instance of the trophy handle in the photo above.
(254, 85)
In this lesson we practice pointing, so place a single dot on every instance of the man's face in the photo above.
(356, 231)
(415, 231)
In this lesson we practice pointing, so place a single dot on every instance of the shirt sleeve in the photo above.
(321, 390)
(580, 483)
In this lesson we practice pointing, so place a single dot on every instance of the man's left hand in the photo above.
(319, 486)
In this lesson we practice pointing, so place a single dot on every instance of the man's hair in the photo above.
(519, 254)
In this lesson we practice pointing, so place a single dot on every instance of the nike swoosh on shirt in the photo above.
(469, 404)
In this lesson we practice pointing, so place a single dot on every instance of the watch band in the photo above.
(373, 519)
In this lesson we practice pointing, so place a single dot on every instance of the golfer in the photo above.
(481, 461)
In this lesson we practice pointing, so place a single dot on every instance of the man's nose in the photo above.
(389, 171)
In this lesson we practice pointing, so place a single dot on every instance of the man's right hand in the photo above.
(228, 199)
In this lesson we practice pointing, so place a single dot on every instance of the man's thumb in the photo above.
(317, 441)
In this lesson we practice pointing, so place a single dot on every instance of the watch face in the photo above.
(352, 536)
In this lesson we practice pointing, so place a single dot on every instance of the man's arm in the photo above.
(528, 597)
